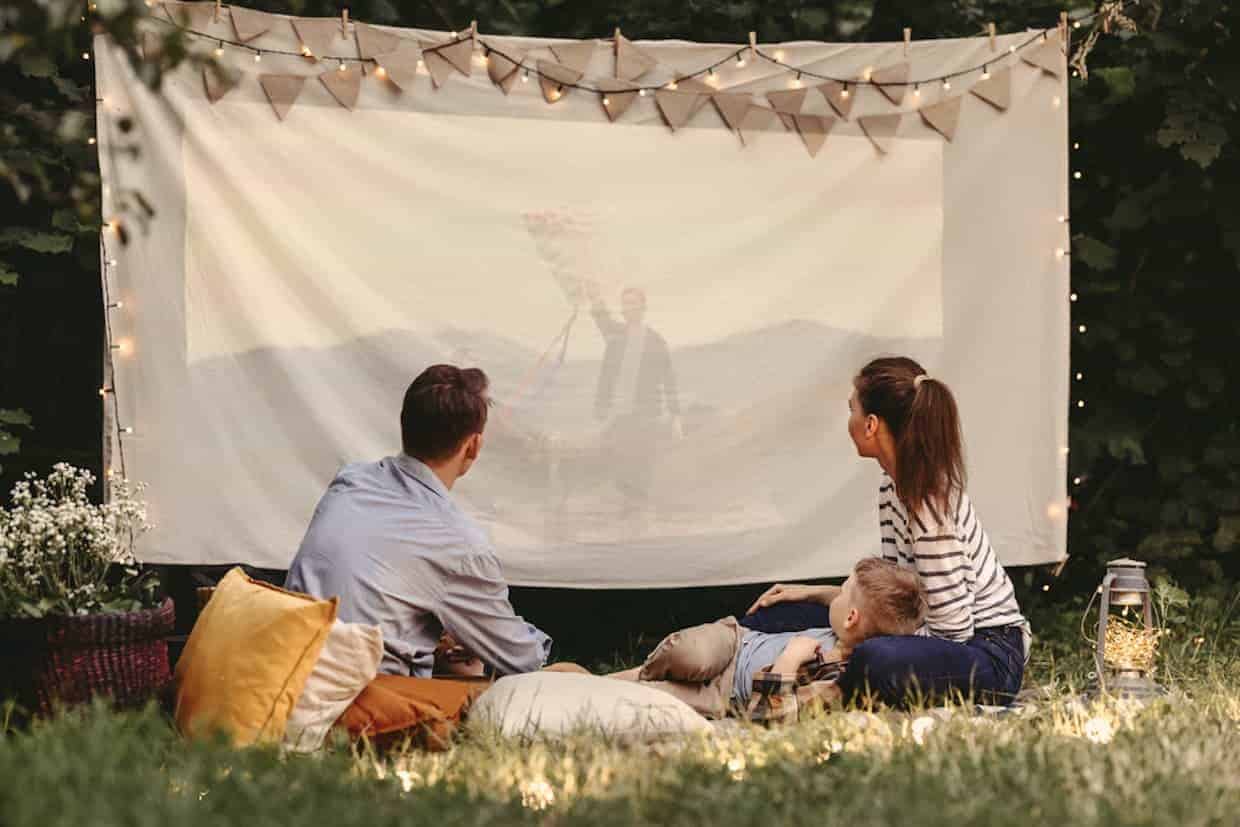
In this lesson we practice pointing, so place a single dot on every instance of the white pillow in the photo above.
(558, 703)
(348, 662)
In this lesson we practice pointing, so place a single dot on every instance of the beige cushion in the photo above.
(349, 661)
(558, 703)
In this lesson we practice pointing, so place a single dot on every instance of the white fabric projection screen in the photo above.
(670, 318)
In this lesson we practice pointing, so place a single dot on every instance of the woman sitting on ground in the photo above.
(975, 642)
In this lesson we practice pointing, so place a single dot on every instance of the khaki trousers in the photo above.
(697, 665)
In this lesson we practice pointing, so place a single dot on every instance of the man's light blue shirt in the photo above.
(387, 539)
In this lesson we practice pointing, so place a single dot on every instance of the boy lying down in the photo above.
(715, 667)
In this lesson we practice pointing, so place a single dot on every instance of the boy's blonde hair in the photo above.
(893, 598)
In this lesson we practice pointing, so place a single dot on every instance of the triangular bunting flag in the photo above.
(788, 120)
(732, 107)
(218, 81)
(834, 94)
(996, 90)
(1048, 57)
(756, 119)
(943, 116)
(695, 85)
(814, 129)
(787, 101)
(249, 24)
(460, 54)
(892, 78)
(321, 36)
(152, 45)
(282, 91)
(196, 16)
(503, 68)
(677, 106)
(344, 85)
(617, 97)
(401, 65)
(576, 54)
(437, 65)
(631, 62)
(556, 79)
(881, 130)
(372, 42)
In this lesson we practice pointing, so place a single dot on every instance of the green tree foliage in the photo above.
(1155, 221)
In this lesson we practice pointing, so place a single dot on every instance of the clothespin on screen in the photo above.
(344, 24)
(908, 38)
(218, 3)
(1063, 28)
(991, 29)
(473, 30)
(753, 45)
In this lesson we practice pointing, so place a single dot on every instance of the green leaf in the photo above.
(1126, 449)
(1094, 254)
(36, 65)
(1120, 80)
(66, 219)
(39, 242)
(15, 416)
(9, 443)
(8, 278)
(1203, 154)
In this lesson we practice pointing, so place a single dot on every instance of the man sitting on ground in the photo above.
(387, 539)
(712, 666)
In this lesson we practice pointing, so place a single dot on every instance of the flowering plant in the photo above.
(61, 554)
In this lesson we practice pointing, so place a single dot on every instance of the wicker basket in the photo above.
(69, 660)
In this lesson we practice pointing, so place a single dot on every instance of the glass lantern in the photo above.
(1124, 586)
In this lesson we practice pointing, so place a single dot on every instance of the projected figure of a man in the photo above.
(636, 394)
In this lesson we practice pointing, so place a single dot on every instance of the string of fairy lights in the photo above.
(123, 347)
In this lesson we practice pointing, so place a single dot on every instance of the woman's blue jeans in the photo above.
(909, 669)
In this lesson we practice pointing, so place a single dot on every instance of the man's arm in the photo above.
(474, 609)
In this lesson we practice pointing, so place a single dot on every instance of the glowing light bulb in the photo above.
(124, 347)
(1076, 480)
(917, 91)
(844, 93)
(1062, 219)
(606, 101)
(1079, 376)
(1059, 251)
(1081, 329)
(1056, 101)
(641, 92)
(258, 56)
(1072, 297)
(1077, 175)
(740, 60)
(219, 50)
(867, 74)
(1012, 50)
(985, 73)
(90, 141)
(380, 72)
(947, 85)
(795, 83)
(1046, 587)
(1080, 403)
(1076, 145)
(103, 391)
(525, 76)
(305, 51)
(128, 429)
(422, 65)
(117, 305)
(341, 67)
(779, 55)
(671, 84)
(1076, 24)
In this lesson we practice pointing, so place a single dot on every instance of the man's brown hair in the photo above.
(925, 423)
(893, 599)
(443, 407)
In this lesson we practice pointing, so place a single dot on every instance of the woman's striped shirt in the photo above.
(966, 587)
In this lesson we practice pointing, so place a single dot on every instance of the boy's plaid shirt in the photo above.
(777, 699)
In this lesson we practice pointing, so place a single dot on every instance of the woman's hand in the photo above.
(793, 593)
(798, 651)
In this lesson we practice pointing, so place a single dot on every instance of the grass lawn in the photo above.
(1176, 761)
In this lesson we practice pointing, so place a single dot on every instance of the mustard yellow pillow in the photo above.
(247, 659)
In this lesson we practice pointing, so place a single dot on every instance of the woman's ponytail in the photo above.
(923, 418)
